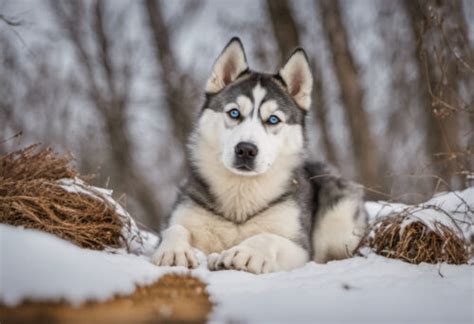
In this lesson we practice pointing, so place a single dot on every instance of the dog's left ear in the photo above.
(228, 66)
(298, 78)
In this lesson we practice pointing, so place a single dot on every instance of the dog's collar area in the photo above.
(216, 212)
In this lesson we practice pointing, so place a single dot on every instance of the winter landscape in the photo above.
(41, 267)
(130, 127)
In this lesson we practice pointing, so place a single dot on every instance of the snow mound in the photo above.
(40, 266)
(452, 209)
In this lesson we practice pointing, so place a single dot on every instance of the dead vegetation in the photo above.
(31, 196)
(406, 237)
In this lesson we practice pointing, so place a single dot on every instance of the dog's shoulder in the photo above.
(328, 186)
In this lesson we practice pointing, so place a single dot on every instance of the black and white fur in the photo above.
(262, 208)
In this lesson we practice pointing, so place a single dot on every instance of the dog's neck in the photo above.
(240, 197)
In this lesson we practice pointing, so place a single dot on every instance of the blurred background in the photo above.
(118, 83)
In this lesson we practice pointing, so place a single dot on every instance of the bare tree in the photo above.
(320, 114)
(178, 86)
(287, 34)
(429, 61)
(402, 133)
(284, 27)
(363, 144)
(108, 88)
(10, 21)
(444, 60)
(9, 70)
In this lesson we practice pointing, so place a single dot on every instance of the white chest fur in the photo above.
(237, 196)
(211, 233)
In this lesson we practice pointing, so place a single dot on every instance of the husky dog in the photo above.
(252, 202)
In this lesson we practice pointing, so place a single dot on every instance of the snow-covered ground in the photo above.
(358, 289)
(38, 266)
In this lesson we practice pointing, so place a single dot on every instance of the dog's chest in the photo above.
(212, 233)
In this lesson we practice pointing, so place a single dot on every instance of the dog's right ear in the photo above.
(228, 66)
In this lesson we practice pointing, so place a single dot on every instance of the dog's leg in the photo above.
(341, 219)
(175, 249)
(261, 253)
(338, 230)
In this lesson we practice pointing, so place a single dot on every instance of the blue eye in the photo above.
(273, 120)
(234, 113)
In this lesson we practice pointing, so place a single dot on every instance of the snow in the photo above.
(41, 267)
(357, 289)
(452, 209)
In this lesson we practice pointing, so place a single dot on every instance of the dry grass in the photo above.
(30, 196)
(401, 237)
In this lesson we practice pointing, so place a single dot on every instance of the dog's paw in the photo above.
(241, 258)
(212, 261)
(177, 256)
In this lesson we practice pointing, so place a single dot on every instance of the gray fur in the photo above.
(328, 189)
(314, 188)
(244, 86)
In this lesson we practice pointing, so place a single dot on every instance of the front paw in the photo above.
(177, 256)
(241, 258)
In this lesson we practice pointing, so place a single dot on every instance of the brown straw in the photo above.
(31, 196)
(415, 242)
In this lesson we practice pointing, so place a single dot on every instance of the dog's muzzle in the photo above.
(245, 154)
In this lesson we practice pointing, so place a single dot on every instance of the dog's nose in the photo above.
(246, 150)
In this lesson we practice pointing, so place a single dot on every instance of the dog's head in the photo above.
(249, 119)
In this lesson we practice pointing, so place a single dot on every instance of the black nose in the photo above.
(246, 151)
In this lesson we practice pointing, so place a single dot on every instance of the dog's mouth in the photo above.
(243, 167)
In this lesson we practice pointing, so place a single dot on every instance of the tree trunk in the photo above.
(287, 35)
(363, 144)
(110, 103)
(172, 79)
(284, 27)
(320, 116)
(439, 30)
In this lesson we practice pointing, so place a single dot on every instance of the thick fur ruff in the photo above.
(252, 201)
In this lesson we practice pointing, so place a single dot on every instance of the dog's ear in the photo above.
(298, 78)
(228, 66)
